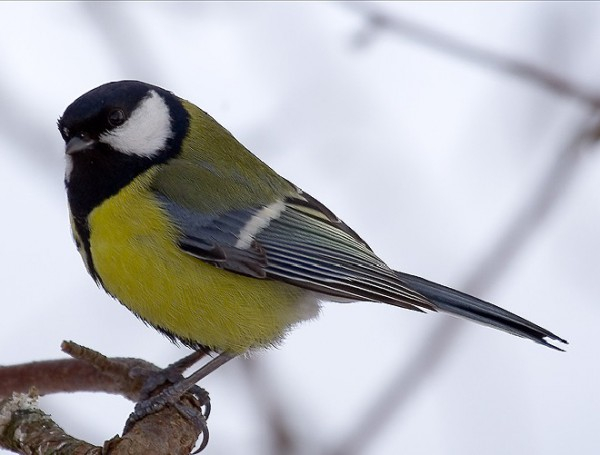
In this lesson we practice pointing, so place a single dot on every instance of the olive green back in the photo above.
(213, 166)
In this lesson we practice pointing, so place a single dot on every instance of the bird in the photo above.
(184, 226)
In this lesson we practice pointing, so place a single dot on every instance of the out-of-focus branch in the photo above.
(26, 429)
(540, 204)
(403, 387)
(408, 381)
(23, 133)
(115, 23)
(383, 21)
(284, 440)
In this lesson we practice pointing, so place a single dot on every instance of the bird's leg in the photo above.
(173, 393)
(172, 374)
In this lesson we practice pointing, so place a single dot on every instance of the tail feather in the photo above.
(460, 304)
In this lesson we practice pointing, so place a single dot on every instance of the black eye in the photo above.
(116, 117)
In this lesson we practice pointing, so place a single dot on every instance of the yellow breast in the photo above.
(135, 252)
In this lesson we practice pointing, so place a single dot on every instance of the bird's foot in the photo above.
(161, 388)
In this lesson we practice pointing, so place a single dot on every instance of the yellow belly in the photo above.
(135, 252)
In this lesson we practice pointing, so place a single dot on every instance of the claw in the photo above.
(172, 374)
(155, 395)
(156, 403)
(198, 420)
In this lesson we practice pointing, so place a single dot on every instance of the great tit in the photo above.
(188, 229)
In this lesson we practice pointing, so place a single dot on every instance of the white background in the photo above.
(430, 157)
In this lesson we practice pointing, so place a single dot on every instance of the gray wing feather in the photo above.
(212, 238)
(305, 245)
(305, 248)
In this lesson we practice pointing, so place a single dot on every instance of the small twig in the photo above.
(447, 43)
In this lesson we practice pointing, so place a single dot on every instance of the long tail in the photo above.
(458, 303)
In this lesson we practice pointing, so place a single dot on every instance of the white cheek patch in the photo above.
(257, 223)
(146, 131)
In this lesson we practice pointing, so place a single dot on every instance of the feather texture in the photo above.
(306, 245)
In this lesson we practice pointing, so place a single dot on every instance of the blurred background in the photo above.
(458, 139)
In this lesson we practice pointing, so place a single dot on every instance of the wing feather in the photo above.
(304, 244)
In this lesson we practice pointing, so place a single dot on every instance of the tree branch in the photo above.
(26, 429)
(408, 381)
(447, 43)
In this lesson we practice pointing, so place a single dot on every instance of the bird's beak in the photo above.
(78, 144)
